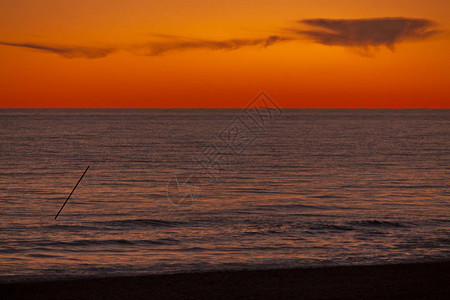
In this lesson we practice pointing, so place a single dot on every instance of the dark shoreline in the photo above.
(405, 281)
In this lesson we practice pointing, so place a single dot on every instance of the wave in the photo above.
(71, 227)
(139, 223)
(40, 255)
(328, 197)
(376, 223)
(113, 225)
(94, 242)
(331, 227)
(288, 206)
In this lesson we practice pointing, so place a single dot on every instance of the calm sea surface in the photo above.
(191, 190)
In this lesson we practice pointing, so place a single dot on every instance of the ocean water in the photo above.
(192, 190)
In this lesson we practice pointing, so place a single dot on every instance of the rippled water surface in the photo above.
(191, 190)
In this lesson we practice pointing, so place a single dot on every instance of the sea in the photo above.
(190, 190)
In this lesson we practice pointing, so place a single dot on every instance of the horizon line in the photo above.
(221, 108)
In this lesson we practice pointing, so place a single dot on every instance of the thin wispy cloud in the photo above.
(66, 51)
(368, 34)
(364, 35)
(152, 48)
(176, 44)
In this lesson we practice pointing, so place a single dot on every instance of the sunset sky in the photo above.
(220, 54)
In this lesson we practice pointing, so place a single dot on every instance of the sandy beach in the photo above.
(399, 281)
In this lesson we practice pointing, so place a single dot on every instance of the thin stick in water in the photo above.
(71, 193)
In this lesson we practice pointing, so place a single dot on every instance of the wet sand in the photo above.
(399, 281)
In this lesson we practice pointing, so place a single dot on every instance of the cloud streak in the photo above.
(152, 48)
(173, 45)
(66, 51)
(366, 33)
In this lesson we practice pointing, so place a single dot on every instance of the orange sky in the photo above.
(300, 73)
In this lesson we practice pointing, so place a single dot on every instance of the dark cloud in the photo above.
(65, 51)
(367, 33)
(176, 44)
